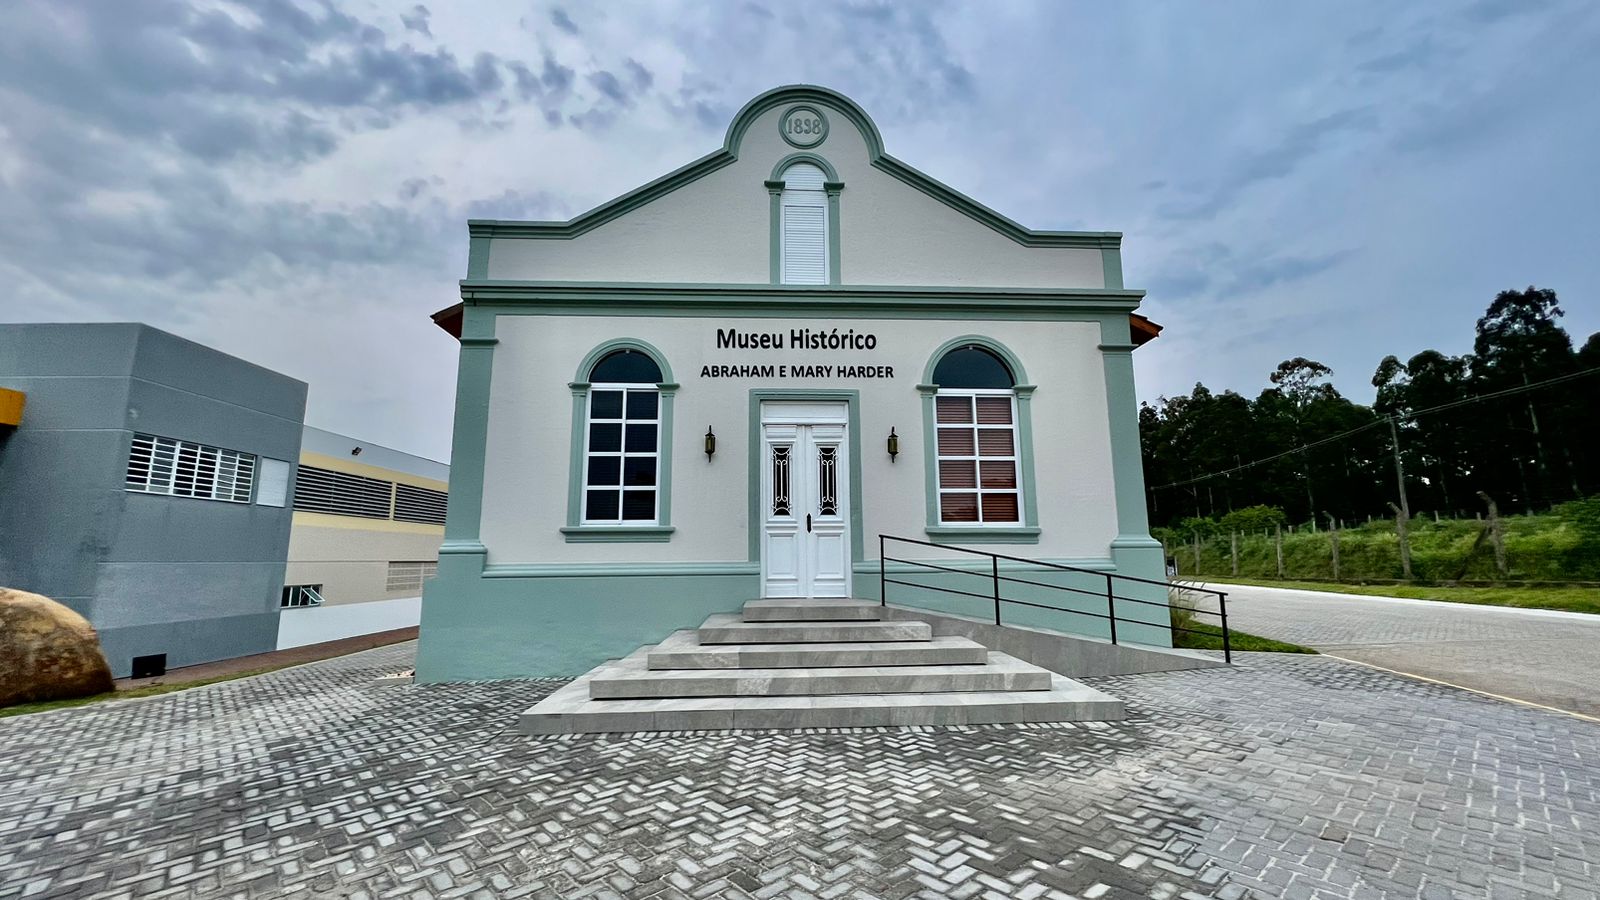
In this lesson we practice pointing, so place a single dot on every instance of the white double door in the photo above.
(805, 500)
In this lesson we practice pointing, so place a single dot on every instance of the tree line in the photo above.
(1515, 420)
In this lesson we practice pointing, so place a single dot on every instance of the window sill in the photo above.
(618, 534)
(985, 534)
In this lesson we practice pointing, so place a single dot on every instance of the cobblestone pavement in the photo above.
(1297, 777)
(1544, 657)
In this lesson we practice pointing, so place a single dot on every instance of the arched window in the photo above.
(803, 224)
(978, 454)
(623, 441)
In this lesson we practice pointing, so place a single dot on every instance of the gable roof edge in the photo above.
(705, 165)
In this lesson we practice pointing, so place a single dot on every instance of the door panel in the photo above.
(805, 546)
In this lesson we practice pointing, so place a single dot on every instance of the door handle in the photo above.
(808, 523)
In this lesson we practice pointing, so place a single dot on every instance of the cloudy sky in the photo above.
(288, 180)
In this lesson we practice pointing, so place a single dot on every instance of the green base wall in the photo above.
(477, 627)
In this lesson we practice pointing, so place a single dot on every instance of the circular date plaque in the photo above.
(803, 126)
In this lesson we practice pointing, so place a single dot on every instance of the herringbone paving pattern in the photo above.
(1286, 777)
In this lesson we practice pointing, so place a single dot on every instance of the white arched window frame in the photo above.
(805, 221)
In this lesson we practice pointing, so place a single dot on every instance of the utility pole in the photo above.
(1399, 469)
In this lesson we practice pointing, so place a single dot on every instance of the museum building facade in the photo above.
(729, 383)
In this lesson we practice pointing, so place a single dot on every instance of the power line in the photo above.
(1401, 417)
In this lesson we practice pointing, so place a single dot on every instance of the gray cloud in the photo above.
(417, 20)
(560, 19)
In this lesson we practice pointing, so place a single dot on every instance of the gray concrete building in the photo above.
(147, 487)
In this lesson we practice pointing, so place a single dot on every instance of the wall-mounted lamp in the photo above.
(711, 442)
(894, 444)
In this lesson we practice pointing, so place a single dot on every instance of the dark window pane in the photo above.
(639, 505)
(958, 507)
(603, 470)
(606, 405)
(605, 438)
(1000, 474)
(625, 367)
(602, 505)
(972, 367)
(1000, 507)
(642, 404)
(641, 438)
(994, 442)
(640, 471)
(994, 410)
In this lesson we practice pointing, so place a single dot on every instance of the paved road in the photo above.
(1546, 657)
(1296, 777)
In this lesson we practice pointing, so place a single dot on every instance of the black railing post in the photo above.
(1227, 649)
(994, 562)
(1111, 608)
(883, 576)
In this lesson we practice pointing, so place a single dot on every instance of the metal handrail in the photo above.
(995, 579)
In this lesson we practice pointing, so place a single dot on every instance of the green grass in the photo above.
(1569, 599)
(151, 690)
(1206, 636)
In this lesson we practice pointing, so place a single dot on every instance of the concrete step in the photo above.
(570, 710)
(632, 679)
(800, 609)
(727, 628)
(683, 650)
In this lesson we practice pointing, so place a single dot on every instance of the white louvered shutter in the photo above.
(805, 226)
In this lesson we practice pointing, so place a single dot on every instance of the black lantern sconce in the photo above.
(711, 442)
(894, 444)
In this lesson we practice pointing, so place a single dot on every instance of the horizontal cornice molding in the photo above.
(711, 162)
(786, 298)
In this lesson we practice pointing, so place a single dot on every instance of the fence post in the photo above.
(995, 568)
(1227, 645)
(1278, 541)
(1233, 546)
(883, 576)
(1333, 531)
(1400, 523)
(1197, 553)
(1111, 608)
(1497, 534)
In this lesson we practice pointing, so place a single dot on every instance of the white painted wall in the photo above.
(316, 624)
(717, 230)
(530, 411)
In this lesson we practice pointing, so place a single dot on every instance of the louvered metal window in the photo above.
(419, 504)
(805, 225)
(409, 576)
(978, 458)
(296, 596)
(160, 465)
(342, 494)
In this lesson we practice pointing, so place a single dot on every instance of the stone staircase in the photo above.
(812, 664)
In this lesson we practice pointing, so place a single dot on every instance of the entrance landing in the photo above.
(812, 664)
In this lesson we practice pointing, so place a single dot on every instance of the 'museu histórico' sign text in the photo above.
(836, 339)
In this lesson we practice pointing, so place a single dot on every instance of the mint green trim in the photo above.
(474, 376)
(477, 257)
(985, 534)
(833, 188)
(618, 534)
(804, 156)
(775, 187)
(615, 344)
(792, 94)
(852, 402)
(788, 300)
(987, 343)
(1127, 467)
(1111, 263)
(775, 230)
(462, 548)
(1023, 393)
(622, 569)
(668, 388)
(784, 133)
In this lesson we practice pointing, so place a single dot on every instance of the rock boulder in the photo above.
(47, 651)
